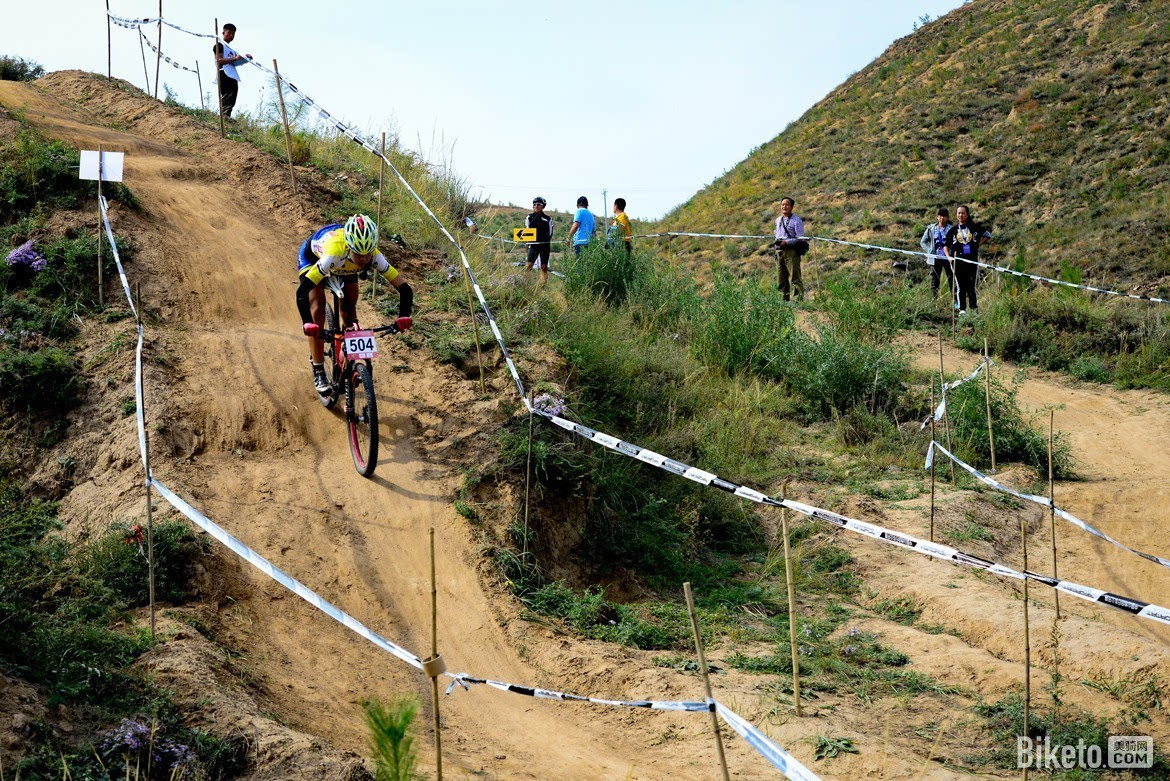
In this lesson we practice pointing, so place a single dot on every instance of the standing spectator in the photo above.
(963, 245)
(539, 250)
(621, 224)
(790, 247)
(227, 59)
(934, 243)
(583, 223)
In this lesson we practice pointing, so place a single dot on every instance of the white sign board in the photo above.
(111, 166)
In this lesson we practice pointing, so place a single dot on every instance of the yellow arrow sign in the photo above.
(524, 234)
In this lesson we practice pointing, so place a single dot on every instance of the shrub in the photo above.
(391, 740)
(837, 370)
(117, 561)
(606, 272)
(1015, 439)
(46, 380)
(744, 326)
(19, 69)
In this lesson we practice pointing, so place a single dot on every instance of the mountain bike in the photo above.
(351, 353)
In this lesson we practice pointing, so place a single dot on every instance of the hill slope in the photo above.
(1048, 118)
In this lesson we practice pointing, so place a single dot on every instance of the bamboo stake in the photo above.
(987, 385)
(791, 600)
(955, 297)
(528, 472)
(1027, 638)
(816, 266)
(932, 439)
(101, 274)
(109, 45)
(158, 52)
(218, 76)
(706, 679)
(942, 380)
(145, 72)
(435, 655)
(475, 324)
(1052, 507)
(199, 77)
(292, 177)
(149, 513)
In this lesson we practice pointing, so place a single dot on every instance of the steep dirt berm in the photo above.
(236, 429)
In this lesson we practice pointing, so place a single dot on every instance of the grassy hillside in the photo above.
(1048, 118)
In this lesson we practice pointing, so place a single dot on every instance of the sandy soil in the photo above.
(237, 431)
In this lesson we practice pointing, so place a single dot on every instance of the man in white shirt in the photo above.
(227, 59)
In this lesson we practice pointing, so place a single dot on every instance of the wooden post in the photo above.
(158, 52)
(816, 266)
(669, 245)
(954, 298)
(109, 45)
(942, 380)
(528, 471)
(218, 76)
(199, 77)
(292, 177)
(987, 386)
(434, 656)
(932, 440)
(1027, 637)
(101, 273)
(475, 324)
(706, 679)
(149, 512)
(142, 49)
(791, 600)
(1052, 507)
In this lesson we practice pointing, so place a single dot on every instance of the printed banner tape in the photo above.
(1043, 501)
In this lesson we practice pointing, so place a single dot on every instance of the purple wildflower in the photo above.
(26, 257)
(553, 405)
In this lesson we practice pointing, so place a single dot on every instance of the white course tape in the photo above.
(780, 759)
(122, 21)
(878, 247)
(466, 681)
(165, 58)
(941, 409)
(289, 582)
(1132, 606)
(138, 394)
(1043, 501)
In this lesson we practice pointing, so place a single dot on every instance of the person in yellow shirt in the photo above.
(621, 223)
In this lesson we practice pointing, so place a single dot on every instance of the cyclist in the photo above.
(347, 252)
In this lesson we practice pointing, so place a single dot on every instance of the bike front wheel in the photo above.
(362, 420)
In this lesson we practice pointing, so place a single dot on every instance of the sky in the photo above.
(649, 101)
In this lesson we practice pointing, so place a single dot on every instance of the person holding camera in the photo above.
(963, 245)
(790, 247)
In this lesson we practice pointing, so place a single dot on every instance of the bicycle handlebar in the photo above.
(383, 329)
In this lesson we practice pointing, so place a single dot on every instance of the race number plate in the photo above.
(360, 345)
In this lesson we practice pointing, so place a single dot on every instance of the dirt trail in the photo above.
(245, 440)
(266, 461)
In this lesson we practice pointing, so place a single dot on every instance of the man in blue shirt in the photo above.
(582, 230)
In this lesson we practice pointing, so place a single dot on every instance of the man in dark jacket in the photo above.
(539, 250)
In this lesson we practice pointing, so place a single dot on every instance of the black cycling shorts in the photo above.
(538, 255)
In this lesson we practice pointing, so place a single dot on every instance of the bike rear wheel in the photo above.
(362, 420)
